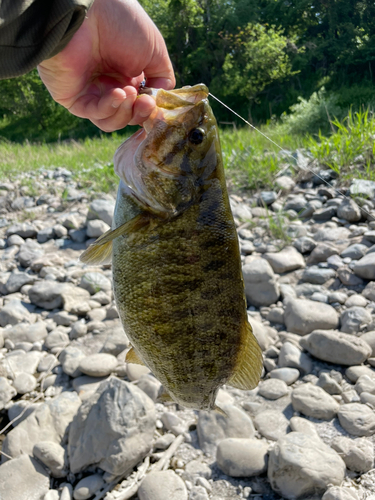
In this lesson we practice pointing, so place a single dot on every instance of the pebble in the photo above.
(305, 316)
(301, 466)
(365, 267)
(292, 357)
(357, 419)
(273, 388)
(288, 259)
(23, 478)
(261, 287)
(271, 424)
(299, 424)
(313, 401)
(354, 318)
(52, 455)
(287, 375)
(7, 392)
(358, 454)
(98, 365)
(242, 457)
(340, 493)
(369, 338)
(88, 486)
(24, 383)
(162, 485)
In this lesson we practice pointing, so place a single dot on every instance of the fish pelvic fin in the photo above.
(100, 252)
(132, 357)
(249, 365)
(220, 411)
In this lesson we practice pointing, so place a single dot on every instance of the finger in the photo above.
(142, 109)
(122, 116)
(159, 71)
(161, 83)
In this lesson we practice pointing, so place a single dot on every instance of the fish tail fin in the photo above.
(249, 365)
(100, 252)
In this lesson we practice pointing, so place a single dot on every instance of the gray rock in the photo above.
(348, 278)
(273, 388)
(329, 384)
(357, 419)
(60, 231)
(340, 493)
(353, 318)
(28, 252)
(304, 244)
(335, 262)
(271, 424)
(52, 455)
(299, 424)
(149, 385)
(98, 365)
(369, 338)
(304, 316)
(113, 429)
(52, 495)
(319, 297)
(260, 284)
(358, 454)
(14, 239)
(286, 260)
(14, 312)
(88, 486)
(25, 230)
(301, 466)
(370, 236)
(51, 295)
(242, 457)
(267, 198)
(95, 282)
(325, 213)
(70, 359)
(78, 235)
(67, 492)
(64, 318)
(116, 341)
(47, 363)
(21, 362)
(354, 252)
(318, 275)
(7, 392)
(333, 234)
(365, 267)
(285, 183)
(24, 383)
(308, 289)
(313, 401)
(96, 228)
(287, 375)
(56, 339)
(48, 422)
(102, 209)
(292, 357)
(162, 485)
(295, 202)
(356, 300)
(336, 347)
(79, 329)
(23, 478)
(369, 291)
(45, 234)
(213, 427)
(339, 297)
(362, 188)
(349, 210)
(24, 332)
(17, 280)
(321, 253)
(355, 372)
(276, 315)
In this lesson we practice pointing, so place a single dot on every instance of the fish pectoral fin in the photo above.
(132, 357)
(101, 251)
(220, 411)
(249, 365)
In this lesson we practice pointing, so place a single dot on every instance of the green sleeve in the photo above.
(34, 30)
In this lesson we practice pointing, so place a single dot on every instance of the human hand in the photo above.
(97, 75)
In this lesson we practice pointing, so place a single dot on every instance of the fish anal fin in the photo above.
(132, 357)
(249, 365)
(101, 251)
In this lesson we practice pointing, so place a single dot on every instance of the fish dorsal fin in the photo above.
(249, 365)
(132, 357)
(100, 251)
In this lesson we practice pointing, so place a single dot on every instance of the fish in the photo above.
(175, 255)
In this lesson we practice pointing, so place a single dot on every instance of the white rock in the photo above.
(7, 392)
(96, 228)
(301, 466)
(14, 312)
(288, 259)
(70, 359)
(162, 485)
(354, 372)
(304, 316)
(288, 375)
(273, 388)
(98, 365)
(340, 493)
(260, 284)
(299, 424)
(242, 457)
(365, 267)
(358, 454)
(102, 209)
(23, 478)
(292, 357)
(271, 424)
(24, 383)
(88, 486)
(353, 318)
(357, 419)
(52, 455)
(356, 300)
(313, 401)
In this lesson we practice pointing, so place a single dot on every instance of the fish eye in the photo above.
(196, 136)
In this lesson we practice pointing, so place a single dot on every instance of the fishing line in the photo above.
(286, 152)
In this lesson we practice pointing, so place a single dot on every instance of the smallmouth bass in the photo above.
(175, 255)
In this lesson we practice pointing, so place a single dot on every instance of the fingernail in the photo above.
(117, 103)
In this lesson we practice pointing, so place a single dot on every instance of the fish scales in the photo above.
(177, 273)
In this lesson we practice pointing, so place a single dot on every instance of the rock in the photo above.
(45, 234)
(340, 493)
(353, 318)
(173, 423)
(273, 388)
(102, 209)
(337, 297)
(260, 284)
(355, 372)
(98, 365)
(7, 392)
(369, 291)
(332, 234)
(362, 188)
(28, 252)
(369, 338)
(299, 424)
(48, 422)
(14, 312)
(52, 495)
(242, 457)
(271, 424)
(325, 213)
(295, 202)
(24, 383)
(23, 478)
(301, 466)
(336, 347)
(286, 260)
(162, 485)
(149, 385)
(358, 454)
(21, 362)
(116, 341)
(318, 275)
(79, 329)
(354, 252)
(70, 359)
(46, 294)
(292, 357)
(348, 278)
(88, 486)
(23, 332)
(276, 315)
(329, 384)
(113, 429)
(365, 267)
(356, 301)
(288, 375)
(213, 427)
(16, 281)
(56, 339)
(96, 228)
(285, 183)
(25, 230)
(335, 262)
(95, 282)
(313, 401)
(52, 455)
(321, 252)
(67, 492)
(349, 210)
(304, 316)
(304, 244)
(357, 419)
(75, 299)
